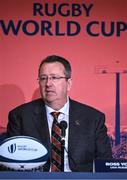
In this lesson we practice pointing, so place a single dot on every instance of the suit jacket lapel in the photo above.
(74, 125)
(41, 124)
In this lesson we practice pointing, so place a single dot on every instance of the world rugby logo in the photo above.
(12, 148)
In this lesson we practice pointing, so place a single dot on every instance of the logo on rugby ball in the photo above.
(12, 148)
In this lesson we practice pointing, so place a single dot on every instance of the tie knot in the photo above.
(55, 114)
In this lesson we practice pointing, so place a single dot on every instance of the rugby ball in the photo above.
(23, 153)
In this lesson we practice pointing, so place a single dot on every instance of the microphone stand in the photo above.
(63, 126)
(62, 153)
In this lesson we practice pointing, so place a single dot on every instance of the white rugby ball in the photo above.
(23, 153)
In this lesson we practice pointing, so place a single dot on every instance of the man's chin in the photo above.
(50, 100)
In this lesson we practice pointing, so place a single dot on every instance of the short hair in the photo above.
(55, 58)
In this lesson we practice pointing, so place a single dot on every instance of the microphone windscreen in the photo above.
(63, 125)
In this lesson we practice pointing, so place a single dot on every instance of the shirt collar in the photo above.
(63, 110)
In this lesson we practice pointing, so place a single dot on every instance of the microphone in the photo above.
(63, 127)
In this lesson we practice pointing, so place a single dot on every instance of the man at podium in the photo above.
(83, 131)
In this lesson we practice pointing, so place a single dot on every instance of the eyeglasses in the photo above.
(54, 79)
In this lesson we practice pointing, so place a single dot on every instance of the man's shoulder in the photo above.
(84, 107)
(29, 105)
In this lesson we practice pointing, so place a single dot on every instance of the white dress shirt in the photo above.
(64, 116)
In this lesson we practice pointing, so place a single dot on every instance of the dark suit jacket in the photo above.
(87, 133)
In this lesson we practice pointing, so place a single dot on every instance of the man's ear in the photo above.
(69, 84)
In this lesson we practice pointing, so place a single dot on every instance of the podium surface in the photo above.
(61, 176)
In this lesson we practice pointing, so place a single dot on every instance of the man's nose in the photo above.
(48, 81)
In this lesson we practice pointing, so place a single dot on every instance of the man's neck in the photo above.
(56, 105)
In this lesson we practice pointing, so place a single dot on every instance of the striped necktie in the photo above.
(55, 144)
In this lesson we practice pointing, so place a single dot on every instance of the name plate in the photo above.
(112, 165)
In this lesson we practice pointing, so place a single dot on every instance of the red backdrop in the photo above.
(20, 57)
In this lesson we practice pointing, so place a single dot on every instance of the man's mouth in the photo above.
(50, 92)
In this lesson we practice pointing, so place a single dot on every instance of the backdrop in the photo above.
(91, 34)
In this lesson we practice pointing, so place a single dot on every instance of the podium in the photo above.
(61, 176)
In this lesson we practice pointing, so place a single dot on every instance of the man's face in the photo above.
(54, 91)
